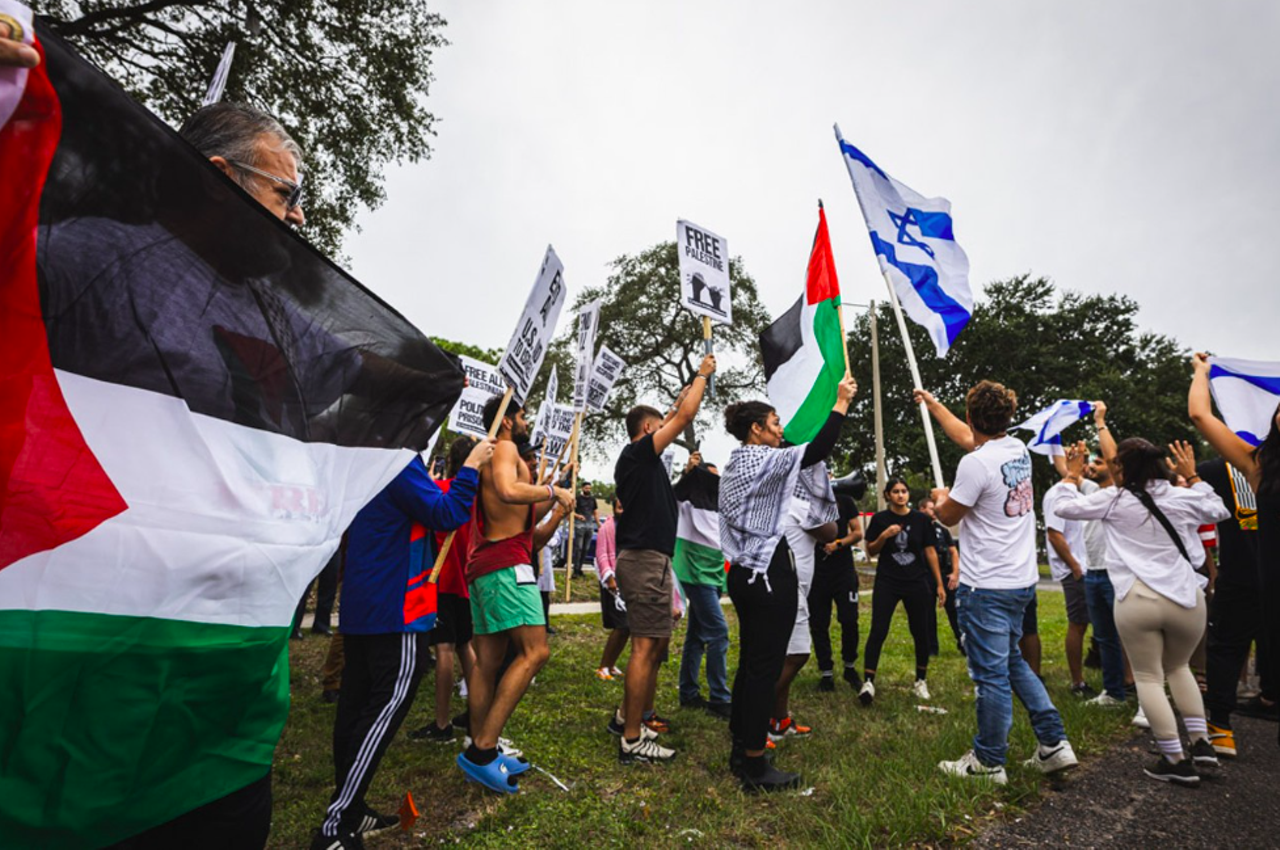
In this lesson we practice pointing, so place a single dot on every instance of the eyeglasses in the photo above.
(295, 189)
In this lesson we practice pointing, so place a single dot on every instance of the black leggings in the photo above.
(918, 601)
(839, 586)
(766, 616)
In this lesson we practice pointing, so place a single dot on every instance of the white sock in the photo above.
(1172, 749)
(1197, 728)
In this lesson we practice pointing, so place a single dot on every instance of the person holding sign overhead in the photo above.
(646, 541)
(506, 607)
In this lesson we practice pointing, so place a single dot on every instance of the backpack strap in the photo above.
(1150, 504)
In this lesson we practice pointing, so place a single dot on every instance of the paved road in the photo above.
(1109, 802)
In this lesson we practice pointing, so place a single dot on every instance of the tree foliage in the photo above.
(644, 322)
(347, 78)
(1042, 343)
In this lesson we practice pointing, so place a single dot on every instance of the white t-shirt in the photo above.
(1071, 529)
(998, 533)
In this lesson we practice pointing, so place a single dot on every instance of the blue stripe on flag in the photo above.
(1263, 382)
(925, 281)
(935, 225)
(858, 156)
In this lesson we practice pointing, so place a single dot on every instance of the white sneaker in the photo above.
(968, 767)
(505, 747)
(643, 751)
(868, 693)
(1104, 700)
(1140, 720)
(1051, 759)
(921, 690)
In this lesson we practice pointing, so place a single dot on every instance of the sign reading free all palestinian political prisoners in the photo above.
(704, 272)
(528, 347)
(483, 383)
(604, 373)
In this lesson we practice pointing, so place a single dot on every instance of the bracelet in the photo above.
(697, 376)
(551, 492)
(1102, 428)
(1193, 479)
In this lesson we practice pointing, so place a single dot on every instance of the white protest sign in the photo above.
(553, 389)
(528, 347)
(559, 425)
(704, 272)
(588, 322)
(668, 460)
(604, 373)
(483, 383)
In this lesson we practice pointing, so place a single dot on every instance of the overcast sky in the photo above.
(1113, 147)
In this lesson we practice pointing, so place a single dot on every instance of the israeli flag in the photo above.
(912, 238)
(1247, 393)
(1049, 424)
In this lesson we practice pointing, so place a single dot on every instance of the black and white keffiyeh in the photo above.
(814, 502)
(756, 490)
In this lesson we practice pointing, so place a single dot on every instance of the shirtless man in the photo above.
(506, 607)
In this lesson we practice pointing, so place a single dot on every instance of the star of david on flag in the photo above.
(1049, 424)
(913, 240)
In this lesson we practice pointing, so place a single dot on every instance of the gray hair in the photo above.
(232, 131)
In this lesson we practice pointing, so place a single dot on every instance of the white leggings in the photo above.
(1159, 635)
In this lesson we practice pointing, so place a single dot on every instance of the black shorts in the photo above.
(610, 616)
(453, 620)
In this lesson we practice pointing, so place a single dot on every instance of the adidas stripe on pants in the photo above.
(379, 681)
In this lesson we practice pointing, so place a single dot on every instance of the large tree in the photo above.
(1042, 343)
(643, 321)
(347, 78)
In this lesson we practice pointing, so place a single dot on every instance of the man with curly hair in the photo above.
(994, 503)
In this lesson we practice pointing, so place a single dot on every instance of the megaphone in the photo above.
(853, 485)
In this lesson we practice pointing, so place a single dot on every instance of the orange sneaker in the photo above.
(1223, 741)
(779, 729)
(658, 724)
(770, 745)
(604, 675)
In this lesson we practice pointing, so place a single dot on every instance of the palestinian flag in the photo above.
(803, 349)
(194, 405)
(698, 559)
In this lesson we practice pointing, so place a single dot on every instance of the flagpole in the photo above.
(573, 488)
(493, 432)
(915, 377)
(881, 473)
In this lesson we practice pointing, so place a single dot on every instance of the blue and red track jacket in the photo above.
(390, 552)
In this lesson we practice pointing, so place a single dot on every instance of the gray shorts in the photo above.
(646, 583)
(1077, 606)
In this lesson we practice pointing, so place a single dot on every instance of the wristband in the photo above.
(551, 492)
(1193, 479)
(1102, 427)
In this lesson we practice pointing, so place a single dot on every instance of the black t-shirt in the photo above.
(586, 506)
(1237, 548)
(842, 558)
(944, 543)
(902, 558)
(648, 519)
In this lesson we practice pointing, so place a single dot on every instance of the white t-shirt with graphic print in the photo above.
(998, 533)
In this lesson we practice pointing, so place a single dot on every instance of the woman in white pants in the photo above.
(1151, 530)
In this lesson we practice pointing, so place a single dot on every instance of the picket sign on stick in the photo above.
(573, 488)
(915, 376)
(709, 347)
(493, 432)
(555, 467)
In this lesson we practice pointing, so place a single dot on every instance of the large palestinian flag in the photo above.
(193, 405)
(803, 349)
(698, 559)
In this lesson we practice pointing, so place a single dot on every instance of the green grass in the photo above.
(872, 771)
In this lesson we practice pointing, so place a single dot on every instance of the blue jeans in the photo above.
(992, 624)
(707, 631)
(1101, 599)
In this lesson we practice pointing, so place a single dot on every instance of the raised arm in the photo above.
(419, 497)
(686, 407)
(1237, 452)
(825, 440)
(1106, 440)
(957, 431)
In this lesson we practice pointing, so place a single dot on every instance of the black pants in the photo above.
(766, 615)
(1235, 620)
(242, 819)
(839, 586)
(379, 681)
(950, 608)
(326, 593)
(918, 601)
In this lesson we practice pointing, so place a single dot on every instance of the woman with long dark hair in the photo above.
(906, 571)
(1151, 529)
(756, 492)
(1261, 466)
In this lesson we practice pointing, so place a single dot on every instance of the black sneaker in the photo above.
(1255, 707)
(322, 629)
(851, 676)
(1093, 660)
(1203, 754)
(771, 780)
(373, 822)
(330, 696)
(433, 733)
(643, 751)
(1083, 691)
(1182, 773)
(462, 721)
(826, 682)
(723, 710)
(615, 727)
(695, 702)
(343, 841)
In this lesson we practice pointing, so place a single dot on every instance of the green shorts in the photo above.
(501, 601)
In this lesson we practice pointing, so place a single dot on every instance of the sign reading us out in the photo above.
(704, 272)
